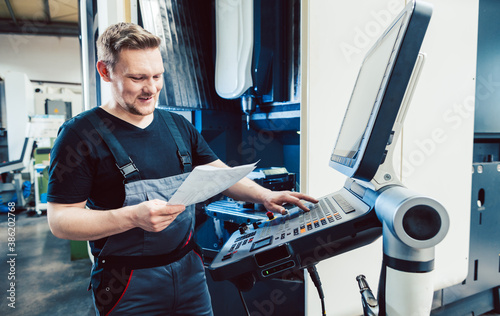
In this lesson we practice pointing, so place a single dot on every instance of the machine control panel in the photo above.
(297, 239)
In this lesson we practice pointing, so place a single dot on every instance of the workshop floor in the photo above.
(47, 282)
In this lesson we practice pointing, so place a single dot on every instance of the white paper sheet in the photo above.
(206, 181)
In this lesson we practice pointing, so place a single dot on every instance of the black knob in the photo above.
(243, 228)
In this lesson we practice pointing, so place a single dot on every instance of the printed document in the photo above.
(205, 182)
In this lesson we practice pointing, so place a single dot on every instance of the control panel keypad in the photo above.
(321, 214)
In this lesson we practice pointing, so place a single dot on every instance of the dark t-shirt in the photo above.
(82, 167)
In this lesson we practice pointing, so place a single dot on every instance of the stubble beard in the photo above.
(137, 111)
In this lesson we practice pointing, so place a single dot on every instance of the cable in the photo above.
(317, 282)
(244, 304)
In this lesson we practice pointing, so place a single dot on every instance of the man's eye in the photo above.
(136, 78)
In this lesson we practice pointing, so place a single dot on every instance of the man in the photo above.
(113, 169)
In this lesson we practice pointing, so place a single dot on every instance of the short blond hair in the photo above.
(123, 35)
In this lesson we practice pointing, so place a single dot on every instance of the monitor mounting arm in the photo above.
(386, 175)
(413, 225)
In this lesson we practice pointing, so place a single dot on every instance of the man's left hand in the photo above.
(274, 200)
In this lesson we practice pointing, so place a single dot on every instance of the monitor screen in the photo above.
(366, 94)
(378, 93)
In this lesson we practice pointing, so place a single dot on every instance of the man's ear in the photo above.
(104, 71)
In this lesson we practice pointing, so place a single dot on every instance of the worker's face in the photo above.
(137, 79)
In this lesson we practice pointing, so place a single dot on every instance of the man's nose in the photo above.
(150, 86)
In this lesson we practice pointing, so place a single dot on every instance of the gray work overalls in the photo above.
(145, 273)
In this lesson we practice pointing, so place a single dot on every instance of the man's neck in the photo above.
(141, 121)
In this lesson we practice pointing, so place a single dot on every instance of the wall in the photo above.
(41, 58)
(27, 60)
(436, 150)
(19, 101)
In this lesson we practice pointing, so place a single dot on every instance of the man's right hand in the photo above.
(156, 215)
(75, 222)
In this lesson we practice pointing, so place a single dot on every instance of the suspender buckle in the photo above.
(128, 168)
(185, 159)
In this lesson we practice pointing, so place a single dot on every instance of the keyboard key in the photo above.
(344, 205)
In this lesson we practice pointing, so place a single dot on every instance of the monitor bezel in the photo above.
(372, 148)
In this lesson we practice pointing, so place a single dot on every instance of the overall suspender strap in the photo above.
(122, 159)
(182, 152)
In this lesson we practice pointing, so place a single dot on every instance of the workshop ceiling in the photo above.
(39, 17)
